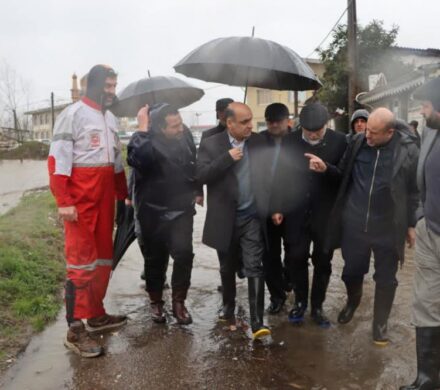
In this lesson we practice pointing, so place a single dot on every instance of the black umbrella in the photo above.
(249, 61)
(157, 89)
(125, 234)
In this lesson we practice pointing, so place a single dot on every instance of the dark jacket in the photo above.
(266, 157)
(215, 130)
(302, 196)
(215, 168)
(404, 193)
(164, 172)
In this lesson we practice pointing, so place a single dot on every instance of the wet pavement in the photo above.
(16, 177)
(205, 355)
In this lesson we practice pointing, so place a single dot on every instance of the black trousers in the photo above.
(169, 238)
(272, 262)
(298, 254)
(357, 246)
(247, 245)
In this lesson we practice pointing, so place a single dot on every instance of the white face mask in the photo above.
(313, 143)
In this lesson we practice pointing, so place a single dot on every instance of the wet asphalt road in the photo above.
(16, 177)
(205, 355)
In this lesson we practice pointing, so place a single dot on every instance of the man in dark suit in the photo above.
(304, 199)
(220, 107)
(228, 164)
(277, 120)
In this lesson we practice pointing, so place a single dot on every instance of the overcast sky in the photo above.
(47, 40)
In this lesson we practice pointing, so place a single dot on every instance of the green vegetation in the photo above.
(28, 150)
(374, 58)
(31, 270)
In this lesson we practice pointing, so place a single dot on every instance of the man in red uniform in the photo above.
(86, 174)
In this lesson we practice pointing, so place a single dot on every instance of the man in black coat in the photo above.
(375, 211)
(277, 120)
(304, 199)
(220, 107)
(164, 161)
(228, 164)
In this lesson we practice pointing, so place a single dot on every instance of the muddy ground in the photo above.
(205, 355)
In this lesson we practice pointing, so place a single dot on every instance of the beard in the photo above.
(433, 121)
(108, 100)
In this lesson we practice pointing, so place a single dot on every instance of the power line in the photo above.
(328, 34)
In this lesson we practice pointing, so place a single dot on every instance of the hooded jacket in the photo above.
(357, 114)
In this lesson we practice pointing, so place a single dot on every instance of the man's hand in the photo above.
(143, 118)
(411, 237)
(236, 154)
(128, 202)
(277, 219)
(68, 214)
(200, 200)
(315, 163)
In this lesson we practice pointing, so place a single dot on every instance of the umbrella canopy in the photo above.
(125, 233)
(249, 61)
(157, 89)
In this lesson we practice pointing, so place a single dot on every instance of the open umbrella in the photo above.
(152, 90)
(249, 61)
(125, 233)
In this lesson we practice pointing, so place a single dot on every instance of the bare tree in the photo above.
(14, 97)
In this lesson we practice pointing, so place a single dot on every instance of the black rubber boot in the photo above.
(428, 359)
(383, 301)
(256, 307)
(275, 306)
(354, 295)
(319, 289)
(227, 312)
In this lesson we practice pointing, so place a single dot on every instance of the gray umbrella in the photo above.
(249, 61)
(157, 89)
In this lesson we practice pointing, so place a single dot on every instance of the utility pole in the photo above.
(52, 109)
(16, 127)
(295, 109)
(352, 55)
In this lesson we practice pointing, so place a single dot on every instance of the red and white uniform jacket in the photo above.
(84, 137)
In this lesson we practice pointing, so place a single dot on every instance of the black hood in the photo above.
(405, 132)
(96, 82)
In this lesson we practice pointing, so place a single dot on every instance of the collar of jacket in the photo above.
(91, 103)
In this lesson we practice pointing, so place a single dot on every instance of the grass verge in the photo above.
(31, 271)
(28, 150)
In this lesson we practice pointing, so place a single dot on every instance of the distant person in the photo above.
(220, 107)
(358, 123)
(86, 175)
(413, 125)
(276, 274)
(426, 303)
